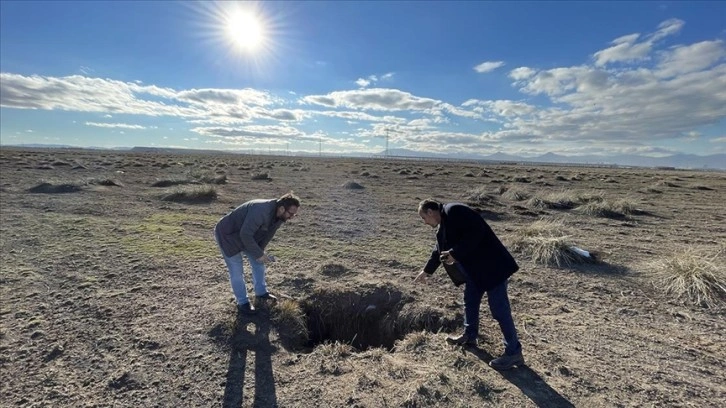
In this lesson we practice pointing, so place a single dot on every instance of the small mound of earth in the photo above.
(352, 185)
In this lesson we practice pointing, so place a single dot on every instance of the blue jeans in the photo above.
(237, 279)
(500, 309)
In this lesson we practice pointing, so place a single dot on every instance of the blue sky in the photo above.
(523, 78)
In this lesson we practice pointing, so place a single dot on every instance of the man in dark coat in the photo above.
(246, 231)
(466, 244)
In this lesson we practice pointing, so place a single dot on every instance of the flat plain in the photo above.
(113, 292)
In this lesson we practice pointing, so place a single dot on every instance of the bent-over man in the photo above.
(246, 231)
(466, 242)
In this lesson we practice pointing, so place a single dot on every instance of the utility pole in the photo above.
(386, 143)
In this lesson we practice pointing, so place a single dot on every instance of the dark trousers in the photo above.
(500, 309)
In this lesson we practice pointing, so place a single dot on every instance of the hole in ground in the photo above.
(369, 317)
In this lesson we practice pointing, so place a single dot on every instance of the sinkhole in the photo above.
(368, 317)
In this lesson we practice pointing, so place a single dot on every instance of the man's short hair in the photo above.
(429, 204)
(288, 200)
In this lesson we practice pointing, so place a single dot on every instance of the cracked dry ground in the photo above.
(111, 296)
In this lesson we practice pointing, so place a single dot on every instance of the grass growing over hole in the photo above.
(291, 322)
(192, 195)
(695, 275)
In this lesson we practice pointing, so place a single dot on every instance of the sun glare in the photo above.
(245, 30)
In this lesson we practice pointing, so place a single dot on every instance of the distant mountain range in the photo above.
(681, 161)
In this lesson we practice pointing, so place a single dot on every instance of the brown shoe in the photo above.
(461, 340)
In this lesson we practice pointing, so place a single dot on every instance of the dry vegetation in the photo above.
(114, 293)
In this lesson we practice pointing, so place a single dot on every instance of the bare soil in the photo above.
(112, 296)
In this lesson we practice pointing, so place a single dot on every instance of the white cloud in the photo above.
(115, 125)
(628, 49)
(382, 99)
(522, 73)
(488, 66)
(683, 59)
(372, 79)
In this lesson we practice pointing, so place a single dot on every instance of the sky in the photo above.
(523, 78)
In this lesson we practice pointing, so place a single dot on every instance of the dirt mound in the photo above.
(48, 188)
(352, 185)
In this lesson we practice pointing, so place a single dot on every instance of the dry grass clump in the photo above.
(545, 243)
(291, 323)
(261, 176)
(171, 182)
(106, 182)
(696, 275)
(415, 341)
(665, 183)
(609, 209)
(46, 187)
(516, 194)
(564, 200)
(192, 195)
(481, 196)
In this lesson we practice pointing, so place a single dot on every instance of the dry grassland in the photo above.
(113, 292)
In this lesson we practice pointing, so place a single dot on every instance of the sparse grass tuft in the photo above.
(261, 176)
(192, 195)
(545, 243)
(696, 275)
(291, 323)
(171, 182)
(481, 196)
(106, 182)
(608, 209)
(46, 187)
(516, 194)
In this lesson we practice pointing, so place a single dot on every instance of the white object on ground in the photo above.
(580, 251)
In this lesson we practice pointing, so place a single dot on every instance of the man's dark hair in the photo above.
(288, 200)
(429, 204)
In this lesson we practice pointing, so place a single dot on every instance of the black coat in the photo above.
(473, 244)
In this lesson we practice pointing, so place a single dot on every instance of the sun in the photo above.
(245, 30)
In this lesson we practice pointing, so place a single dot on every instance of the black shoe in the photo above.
(506, 362)
(246, 308)
(461, 340)
(268, 296)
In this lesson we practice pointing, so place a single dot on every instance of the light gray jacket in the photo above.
(248, 228)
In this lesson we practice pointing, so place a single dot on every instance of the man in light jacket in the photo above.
(246, 231)
(466, 242)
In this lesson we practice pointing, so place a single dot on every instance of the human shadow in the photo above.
(250, 334)
(528, 381)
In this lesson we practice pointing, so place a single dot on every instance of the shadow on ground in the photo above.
(250, 336)
(529, 382)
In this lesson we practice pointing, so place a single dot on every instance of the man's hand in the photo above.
(422, 277)
(447, 258)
